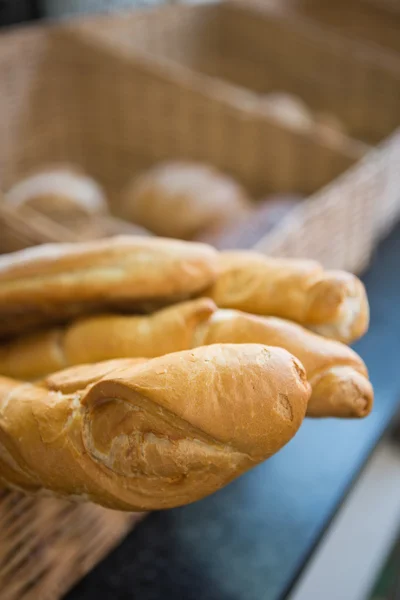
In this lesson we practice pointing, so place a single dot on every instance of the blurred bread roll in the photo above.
(61, 193)
(181, 199)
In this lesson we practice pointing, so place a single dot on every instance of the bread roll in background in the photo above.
(63, 193)
(181, 199)
(264, 217)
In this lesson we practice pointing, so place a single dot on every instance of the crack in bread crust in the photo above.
(120, 454)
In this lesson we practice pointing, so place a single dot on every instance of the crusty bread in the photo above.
(333, 303)
(51, 282)
(181, 199)
(111, 336)
(153, 435)
(75, 379)
(338, 376)
(103, 337)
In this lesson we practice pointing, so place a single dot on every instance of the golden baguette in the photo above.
(53, 282)
(339, 377)
(153, 435)
(332, 303)
(104, 337)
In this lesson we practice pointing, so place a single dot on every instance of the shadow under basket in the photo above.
(47, 545)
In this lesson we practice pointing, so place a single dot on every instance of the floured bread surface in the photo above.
(42, 284)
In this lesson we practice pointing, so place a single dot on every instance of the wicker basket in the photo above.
(71, 96)
(47, 545)
(355, 211)
(205, 66)
(372, 21)
(252, 47)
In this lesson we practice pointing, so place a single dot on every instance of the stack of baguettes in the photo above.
(145, 373)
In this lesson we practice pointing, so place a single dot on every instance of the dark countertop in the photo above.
(250, 540)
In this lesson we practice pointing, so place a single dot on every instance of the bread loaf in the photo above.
(102, 337)
(154, 435)
(181, 199)
(332, 303)
(338, 376)
(62, 193)
(53, 282)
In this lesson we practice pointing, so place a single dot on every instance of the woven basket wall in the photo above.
(47, 545)
(221, 57)
(252, 48)
(372, 21)
(355, 211)
(72, 97)
(117, 94)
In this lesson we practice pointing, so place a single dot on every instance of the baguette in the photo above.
(98, 338)
(54, 282)
(338, 376)
(154, 435)
(332, 303)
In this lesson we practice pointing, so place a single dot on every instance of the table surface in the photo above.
(251, 540)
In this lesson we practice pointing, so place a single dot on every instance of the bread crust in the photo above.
(333, 303)
(48, 283)
(339, 377)
(104, 337)
(337, 374)
(154, 435)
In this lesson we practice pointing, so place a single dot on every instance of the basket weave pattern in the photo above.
(47, 545)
